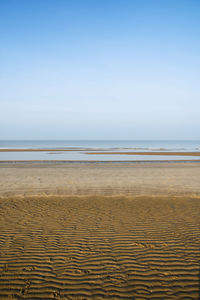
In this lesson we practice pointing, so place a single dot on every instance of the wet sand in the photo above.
(99, 230)
(148, 153)
(97, 152)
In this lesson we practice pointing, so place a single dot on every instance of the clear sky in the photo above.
(99, 69)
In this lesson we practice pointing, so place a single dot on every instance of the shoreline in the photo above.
(104, 152)
(107, 152)
(40, 150)
(98, 161)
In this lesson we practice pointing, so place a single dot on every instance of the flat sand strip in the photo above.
(98, 247)
(148, 153)
(99, 178)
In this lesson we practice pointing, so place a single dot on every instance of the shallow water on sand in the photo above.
(92, 145)
(170, 145)
(82, 156)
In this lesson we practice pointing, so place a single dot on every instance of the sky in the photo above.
(100, 69)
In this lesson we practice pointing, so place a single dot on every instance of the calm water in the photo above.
(104, 145)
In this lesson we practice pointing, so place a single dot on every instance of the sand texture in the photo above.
(99, 178)
(115, 231)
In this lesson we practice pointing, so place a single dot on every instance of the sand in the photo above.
(99, 230)
(97, 152)
(147, 153)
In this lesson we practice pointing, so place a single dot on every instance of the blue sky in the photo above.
(99, 69)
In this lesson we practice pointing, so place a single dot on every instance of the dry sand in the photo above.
(99, 231)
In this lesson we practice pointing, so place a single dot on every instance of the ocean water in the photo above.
(93, 145)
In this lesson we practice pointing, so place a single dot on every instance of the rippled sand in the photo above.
(99, 231)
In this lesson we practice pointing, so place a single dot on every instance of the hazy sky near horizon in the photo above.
(108, 69)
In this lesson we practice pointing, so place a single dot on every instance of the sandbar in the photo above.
(148, 153)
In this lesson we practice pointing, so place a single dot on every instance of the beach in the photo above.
(86, 230)
(100, 150)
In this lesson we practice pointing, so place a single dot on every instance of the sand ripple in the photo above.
(59, 247)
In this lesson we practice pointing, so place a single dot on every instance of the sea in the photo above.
(79, 150)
